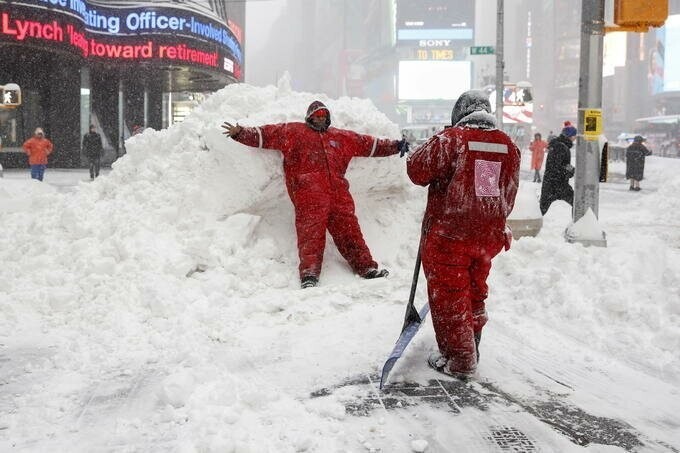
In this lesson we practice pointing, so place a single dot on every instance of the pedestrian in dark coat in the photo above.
(472, 173)
(315, 159)
(635, 162)
(558, 170)
(93, 149)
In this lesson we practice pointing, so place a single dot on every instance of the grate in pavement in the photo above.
(511, 439)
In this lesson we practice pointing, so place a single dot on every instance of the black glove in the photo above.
(403, 147)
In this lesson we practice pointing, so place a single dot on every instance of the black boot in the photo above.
(478, 338)
(309, 281)
(375, 273)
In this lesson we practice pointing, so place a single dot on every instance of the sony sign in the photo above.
(435, 42)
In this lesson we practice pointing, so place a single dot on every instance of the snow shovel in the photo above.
(412, 322)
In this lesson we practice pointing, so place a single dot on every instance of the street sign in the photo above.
(482, 50)
(592, 121)
(10, 95)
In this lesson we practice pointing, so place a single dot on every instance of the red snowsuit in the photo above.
(473, 175)
(314, 164)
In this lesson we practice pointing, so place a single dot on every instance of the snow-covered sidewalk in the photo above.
(64, 180)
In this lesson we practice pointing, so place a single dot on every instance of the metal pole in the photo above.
(587, 176)
(170, 118)
(499, 65)
(121, 117)
(146, 106)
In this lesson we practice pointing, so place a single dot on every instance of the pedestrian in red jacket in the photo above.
(38, 148)
(315, 158)
(472, 170)
(537, 148)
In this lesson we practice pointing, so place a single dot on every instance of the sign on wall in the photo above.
(482, 50)
(163, 35)
(592, 123)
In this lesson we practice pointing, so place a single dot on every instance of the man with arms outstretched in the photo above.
(315, 159)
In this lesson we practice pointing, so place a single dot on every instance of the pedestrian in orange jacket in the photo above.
(38, 148)
(315, 158)
(537, 148)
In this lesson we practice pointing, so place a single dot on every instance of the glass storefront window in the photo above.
(8, 128)
(85, 102)
(177, 106)
(17, 124)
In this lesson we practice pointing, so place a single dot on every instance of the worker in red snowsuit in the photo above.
(315, 158)
(472, 170)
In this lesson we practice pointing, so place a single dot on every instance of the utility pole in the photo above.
(499, 65)
(586, 182)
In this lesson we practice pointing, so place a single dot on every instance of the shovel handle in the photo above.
(412, 315)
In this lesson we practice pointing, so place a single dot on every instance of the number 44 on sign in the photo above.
(482, 50)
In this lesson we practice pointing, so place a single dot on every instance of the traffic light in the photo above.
(640, 13)
(10, 95)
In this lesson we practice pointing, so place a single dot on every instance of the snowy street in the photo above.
(158, 309)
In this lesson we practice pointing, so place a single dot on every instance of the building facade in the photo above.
(116, 64)
(337, 47)
(542, 45)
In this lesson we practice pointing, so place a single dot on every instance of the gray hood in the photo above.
(473, 109)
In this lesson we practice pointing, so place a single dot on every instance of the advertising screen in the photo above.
(614, 53)
(435, 14)
(518, 103)
(435, 20)
(670, 56)
(123, 33)
(431, 80)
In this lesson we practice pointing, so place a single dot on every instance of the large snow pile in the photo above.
(159, 306)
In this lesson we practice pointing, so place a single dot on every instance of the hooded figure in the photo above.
(472, 170)
(315, 159)
(558, 169)
(635, 162)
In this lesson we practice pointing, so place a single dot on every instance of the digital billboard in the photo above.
(433, 80)
(428, 20)
(518, 103)
(667, 56)
(614, 54)
(124, 32)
